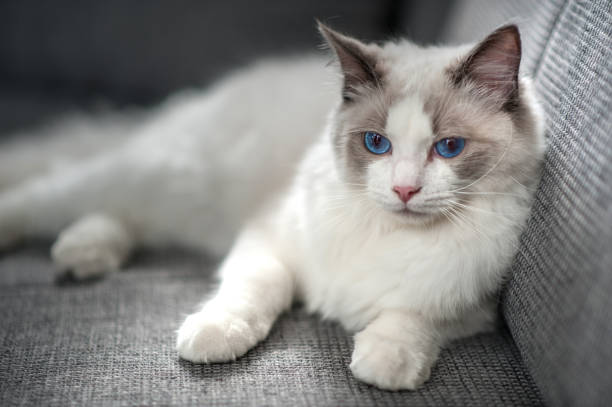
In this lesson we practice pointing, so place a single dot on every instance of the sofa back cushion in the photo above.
(558, 302)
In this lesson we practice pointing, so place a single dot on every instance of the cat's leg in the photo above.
(93, 245)
(88, 203)
(256, 287)
(396, 350)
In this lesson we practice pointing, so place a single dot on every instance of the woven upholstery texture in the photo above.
(111, 342)
(558, 302)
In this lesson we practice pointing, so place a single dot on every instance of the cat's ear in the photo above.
(492, 67)
(358, 61)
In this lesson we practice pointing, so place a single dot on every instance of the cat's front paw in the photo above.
(390, 364)
(215, 336)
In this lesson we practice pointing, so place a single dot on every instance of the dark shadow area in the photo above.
(66, 278)
(70, 54)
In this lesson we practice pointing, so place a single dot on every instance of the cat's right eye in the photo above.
(375, 143)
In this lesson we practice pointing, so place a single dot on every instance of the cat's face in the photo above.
(422, 132)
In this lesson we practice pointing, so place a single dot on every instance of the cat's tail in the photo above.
(58, 144)
(46, 204)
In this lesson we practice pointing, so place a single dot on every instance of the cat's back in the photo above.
(238, 143)
(249, 130)
(285, 99)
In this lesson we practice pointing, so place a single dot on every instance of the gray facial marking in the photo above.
(366, 100)
(455, 115)
(366, 113)
(472, 166)
(499, 154)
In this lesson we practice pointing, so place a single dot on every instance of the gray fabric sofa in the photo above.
(111, 342)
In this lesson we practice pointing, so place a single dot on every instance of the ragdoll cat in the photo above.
(400, 221)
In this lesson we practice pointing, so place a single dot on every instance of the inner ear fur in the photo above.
(492, 67)
(358, 61)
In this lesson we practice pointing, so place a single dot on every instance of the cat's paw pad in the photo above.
(389, 364)
(210, 337)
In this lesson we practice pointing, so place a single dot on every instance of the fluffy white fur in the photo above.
(190, 173)
(203, 164)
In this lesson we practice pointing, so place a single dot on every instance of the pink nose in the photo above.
(405, 193)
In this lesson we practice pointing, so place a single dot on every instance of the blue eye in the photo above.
(376, 143)
(450, 147)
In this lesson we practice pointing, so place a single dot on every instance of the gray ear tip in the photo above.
(326, 31)
(507, 37)
(321, 26)
(511, 30)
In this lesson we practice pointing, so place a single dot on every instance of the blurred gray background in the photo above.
(65, 54)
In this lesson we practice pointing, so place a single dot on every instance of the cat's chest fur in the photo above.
(351, 260)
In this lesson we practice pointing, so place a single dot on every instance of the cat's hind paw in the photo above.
(212, 337)
(91, 247)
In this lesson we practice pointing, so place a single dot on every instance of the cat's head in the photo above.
(423, 131)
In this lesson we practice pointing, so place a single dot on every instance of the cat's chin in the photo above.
(411, 217)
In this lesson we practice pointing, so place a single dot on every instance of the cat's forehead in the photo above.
(408, 124)
(417, 78)
(415, 69)
(425, 102)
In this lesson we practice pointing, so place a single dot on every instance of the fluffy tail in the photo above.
(44, 205)
(60, 143)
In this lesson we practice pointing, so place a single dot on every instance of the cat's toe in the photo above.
(207, 337)
(390, 364)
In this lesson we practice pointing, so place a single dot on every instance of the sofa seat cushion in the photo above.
(111, 341)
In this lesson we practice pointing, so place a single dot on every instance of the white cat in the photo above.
(400, 221)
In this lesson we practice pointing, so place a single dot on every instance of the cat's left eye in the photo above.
(376, 143)
(450, 147)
